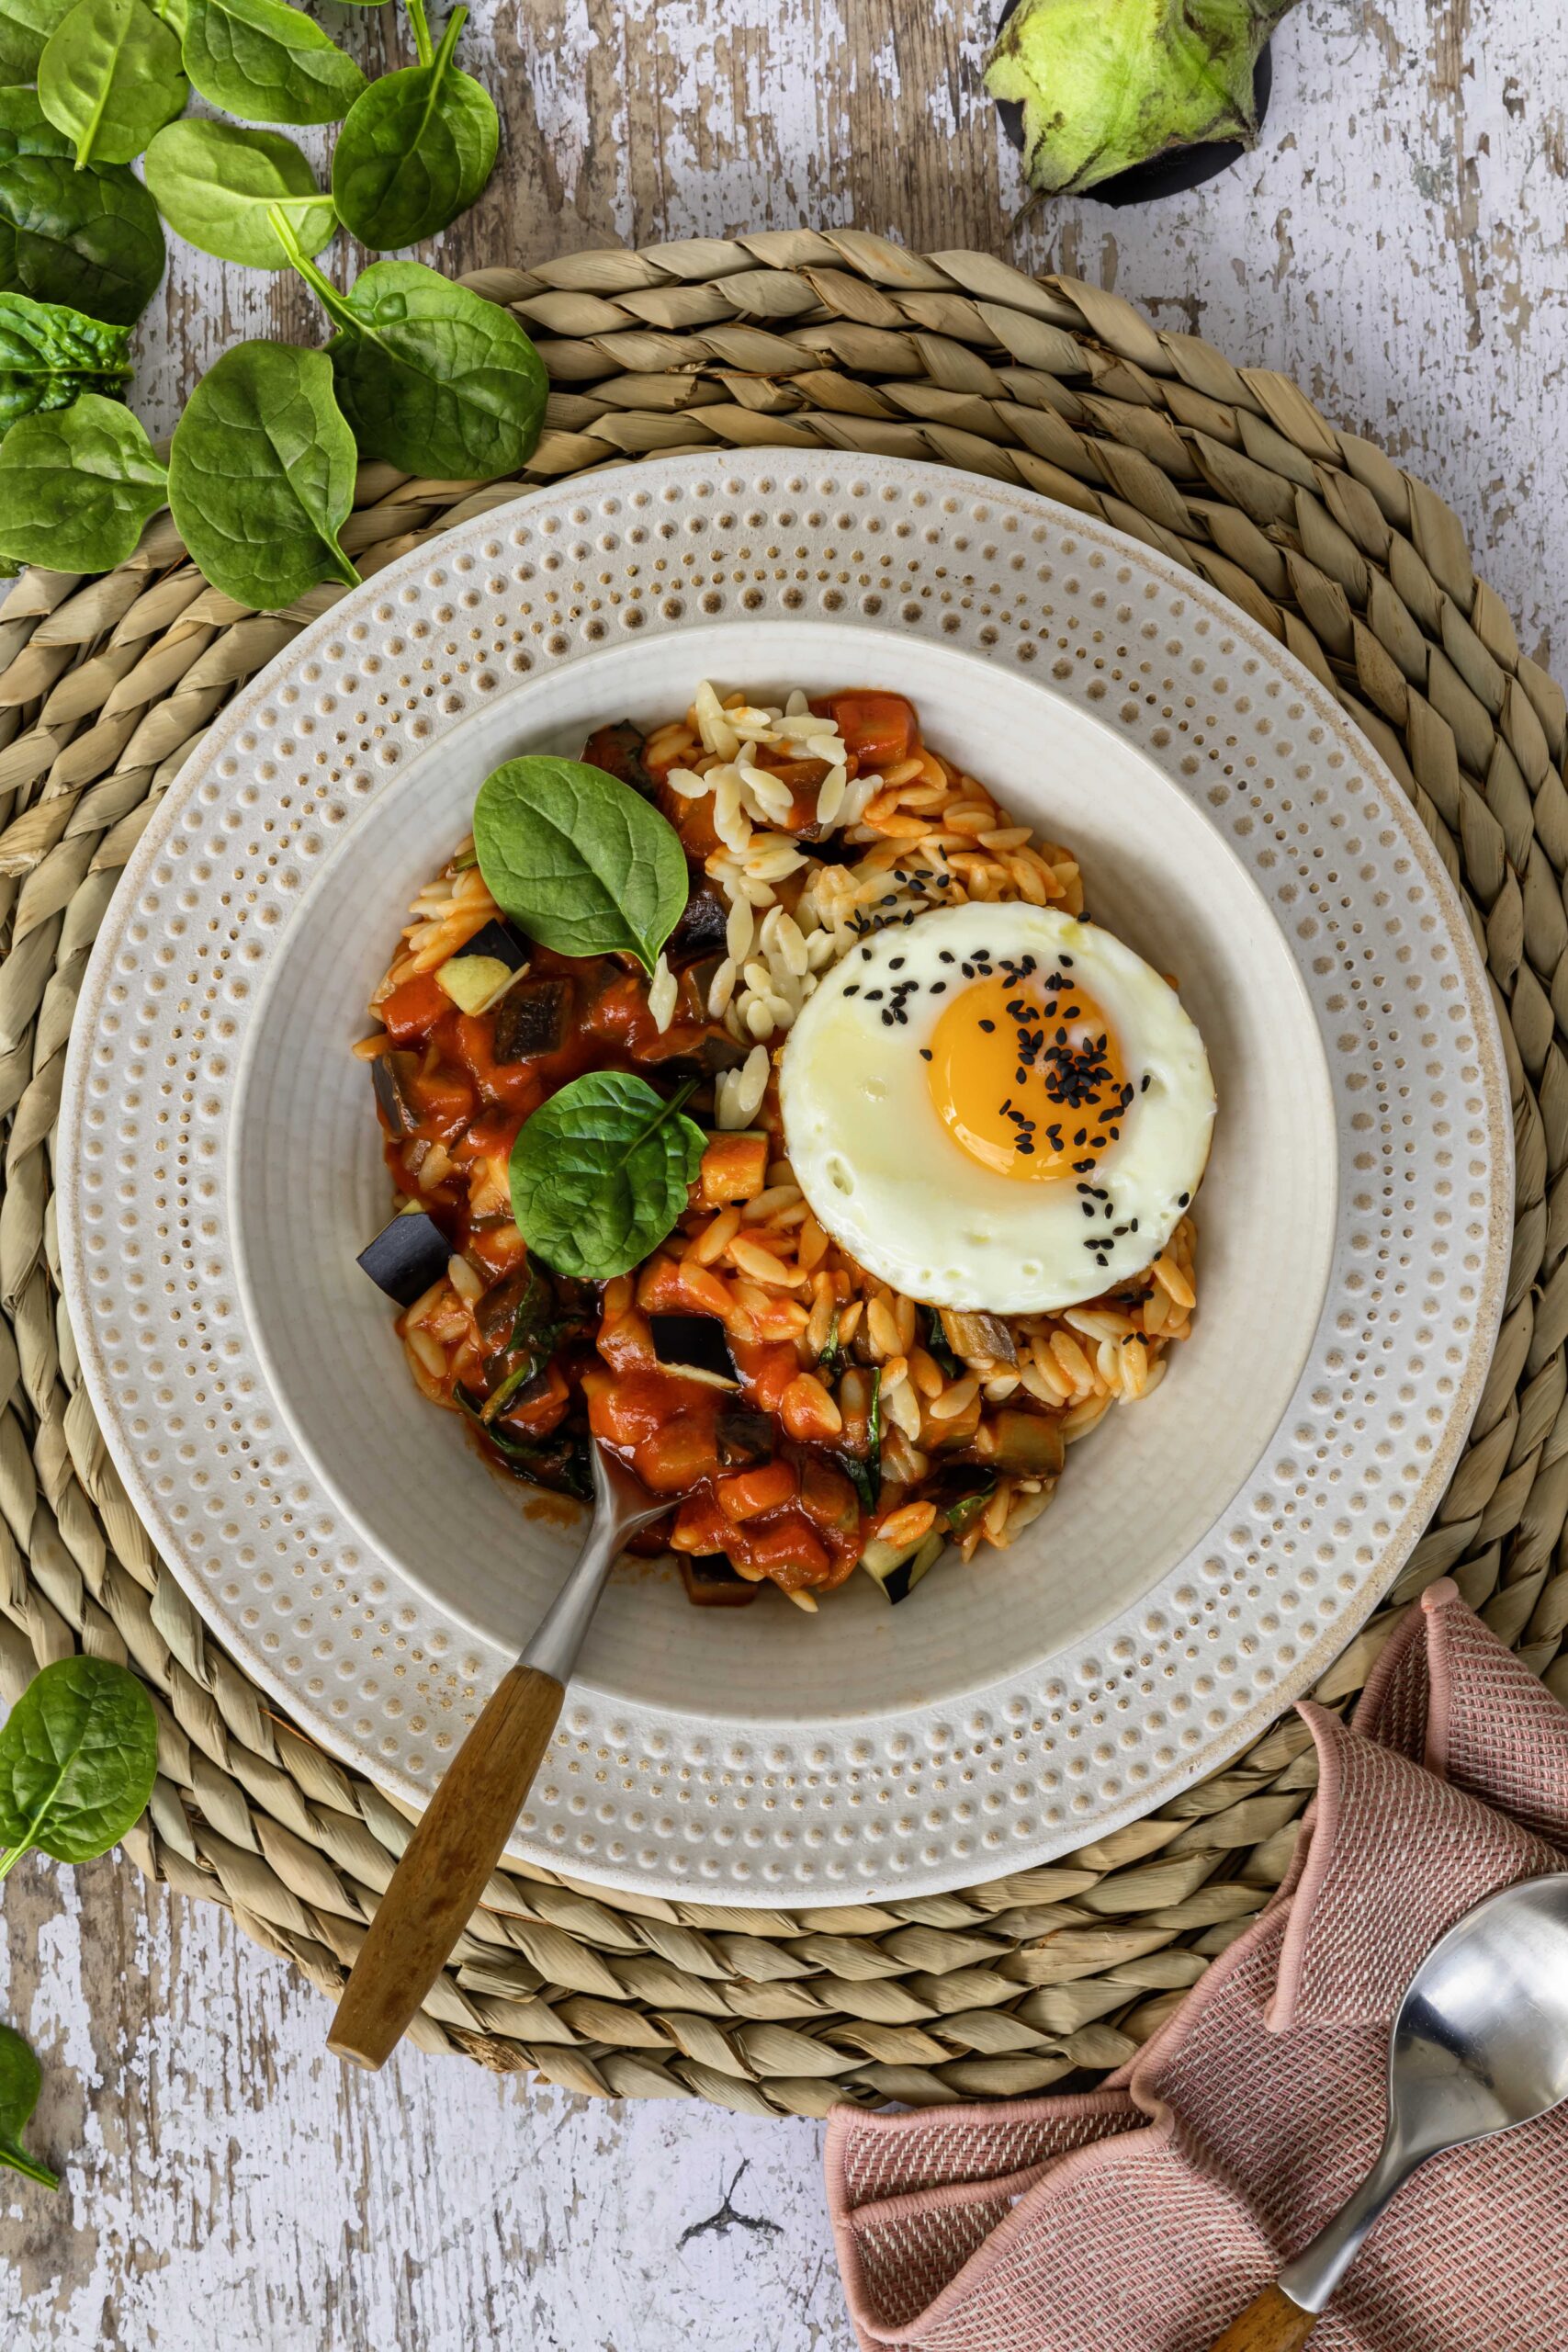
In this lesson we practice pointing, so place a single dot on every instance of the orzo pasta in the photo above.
(803, 1414)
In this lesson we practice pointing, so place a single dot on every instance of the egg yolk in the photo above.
(1026, 1074)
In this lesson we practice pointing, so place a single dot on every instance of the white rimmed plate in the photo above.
(1208, 1551)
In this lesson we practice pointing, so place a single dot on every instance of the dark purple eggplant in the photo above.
(532, 1019)
(712, 1583)
(744, 1437)
(391, 1075)
(618, 750)
(694, 1343)
(407, 1255)
(702, 929)
(498, 943)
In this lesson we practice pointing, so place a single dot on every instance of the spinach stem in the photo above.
(15, 1856)
(423, 46)
(335, 304)
(22, 2163)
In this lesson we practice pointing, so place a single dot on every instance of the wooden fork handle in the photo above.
(457, 1842)
(1271, 2322)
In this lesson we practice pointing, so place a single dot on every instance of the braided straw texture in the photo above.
(794, 340)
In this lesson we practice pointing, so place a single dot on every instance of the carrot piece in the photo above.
(414, 1009)
(678, 1454)
(749, 1493)
(734, 1168)
(768, 1370)
(790, 1554)
(877, 728)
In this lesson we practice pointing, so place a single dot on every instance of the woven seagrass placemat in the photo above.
(794, 340)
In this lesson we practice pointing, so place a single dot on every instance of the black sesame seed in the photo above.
(938, 988)
(852, 988)
(1183, 1200)
(925, 1053)
(897, 963)
(986, 1025)
(944, 955)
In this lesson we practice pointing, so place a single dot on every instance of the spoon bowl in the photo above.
(1481, 2039)
(1479, 2045)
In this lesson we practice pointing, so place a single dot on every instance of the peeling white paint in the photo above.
(1396, 246)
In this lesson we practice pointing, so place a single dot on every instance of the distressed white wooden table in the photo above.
(1396, 246)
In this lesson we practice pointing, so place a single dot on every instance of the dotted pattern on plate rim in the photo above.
(368, 1666)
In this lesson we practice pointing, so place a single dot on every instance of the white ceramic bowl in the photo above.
(1208, 1550)
(312, 1189)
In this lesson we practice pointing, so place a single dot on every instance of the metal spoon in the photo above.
(463, 1831)
(1480, 2044)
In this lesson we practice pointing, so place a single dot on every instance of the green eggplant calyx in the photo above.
(1106, 84)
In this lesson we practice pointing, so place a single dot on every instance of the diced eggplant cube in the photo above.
(1030, 1445)
(743, 1437)
(712, 1583)
(531, 1019)
(693, 1343)
(472, 982)
(702, 929)
(898, 1567)
(497, 1310)
(978, 1339)
(617, 749)
(391, 1074)
(719, 1051)
(407, 1255)
(498, 943)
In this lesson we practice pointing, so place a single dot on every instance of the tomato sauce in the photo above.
(741, 1483)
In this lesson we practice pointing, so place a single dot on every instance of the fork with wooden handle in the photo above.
(462, 1833)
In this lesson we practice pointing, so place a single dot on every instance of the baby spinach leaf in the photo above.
(261, 474)
(21, 2079)
(110, 77)
(78, 485)
(25, 27)
(215, 182)
(25, 129)
(91, 239)
(265, 61)
(432, 379)
(417, 148)
(578, 860)
(601, 1172)
(49, 355)
(78, 1754)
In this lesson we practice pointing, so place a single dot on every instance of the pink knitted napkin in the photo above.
(1143, 2217)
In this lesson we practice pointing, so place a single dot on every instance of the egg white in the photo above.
(886, 1178)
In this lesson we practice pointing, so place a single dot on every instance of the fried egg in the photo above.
(997, 1107)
